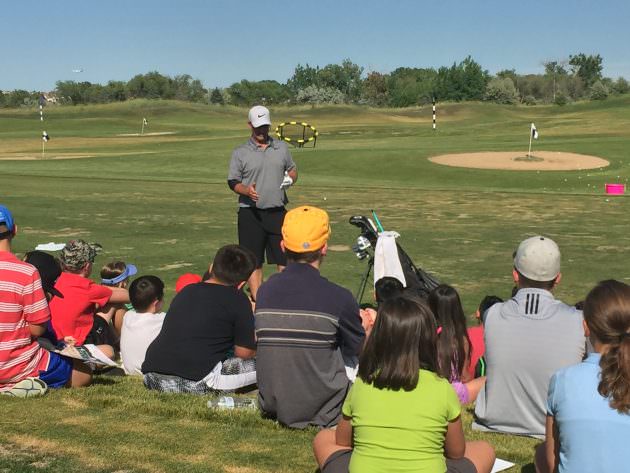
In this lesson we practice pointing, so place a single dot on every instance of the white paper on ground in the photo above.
(500, 465)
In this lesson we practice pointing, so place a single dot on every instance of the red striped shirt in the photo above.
(22, 302)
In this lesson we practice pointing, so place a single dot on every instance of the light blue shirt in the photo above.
(593, 436)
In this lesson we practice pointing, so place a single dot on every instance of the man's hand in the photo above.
(251, 192)
(287, 181)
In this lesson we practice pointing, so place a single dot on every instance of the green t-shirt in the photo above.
(401, 431)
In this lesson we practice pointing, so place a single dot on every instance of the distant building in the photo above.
(50, 97)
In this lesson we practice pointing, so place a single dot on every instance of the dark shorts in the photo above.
(339, 462)
(261, 232)
(101, 333)
(59, 371)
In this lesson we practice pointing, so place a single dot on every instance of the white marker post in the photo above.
(144, 122)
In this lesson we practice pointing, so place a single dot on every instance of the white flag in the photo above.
(534, 132)
(45, 136)
(145, 122)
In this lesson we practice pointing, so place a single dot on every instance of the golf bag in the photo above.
(418, 281)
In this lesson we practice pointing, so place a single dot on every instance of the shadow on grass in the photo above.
(529, 468)
(103, 381)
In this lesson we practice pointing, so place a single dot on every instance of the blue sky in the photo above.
(224, 41)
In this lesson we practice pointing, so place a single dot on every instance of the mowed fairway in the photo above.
(162, 203)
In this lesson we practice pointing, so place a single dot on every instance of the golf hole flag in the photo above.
(145, 122)
(534, 132)
(45, 136)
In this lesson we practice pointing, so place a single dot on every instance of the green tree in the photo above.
(598, 91)
(553, 70)
(115, 91)
(345, 77)
(320, 95)
(216, 97)
(588, 68)
(463, 81)
(501, 91)
(375, 89)
(250, 93)
(411, 86)
(621, 86)
(303, 76)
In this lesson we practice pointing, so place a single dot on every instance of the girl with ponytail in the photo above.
(588, 413)
(453, 343)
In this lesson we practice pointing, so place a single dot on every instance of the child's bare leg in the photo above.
(108, 350)
(324, 445)
(81, 375)
(474, 386)
(481, 454)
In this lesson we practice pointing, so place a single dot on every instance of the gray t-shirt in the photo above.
(528, 338)
(265, 167)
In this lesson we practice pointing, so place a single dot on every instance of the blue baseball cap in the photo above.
(129, 271)
(7, 218)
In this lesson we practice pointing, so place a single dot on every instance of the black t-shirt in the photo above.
(201, 327)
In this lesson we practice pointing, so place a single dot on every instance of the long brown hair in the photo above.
(402, 341)
(607, 314)
(453, 343)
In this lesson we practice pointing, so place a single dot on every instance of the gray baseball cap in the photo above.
(538, 258)
(77, 253)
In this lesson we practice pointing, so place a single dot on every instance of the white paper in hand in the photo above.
(287, 181)
(500, 465)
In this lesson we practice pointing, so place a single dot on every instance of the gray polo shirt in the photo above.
(528, 338)
(265, 167)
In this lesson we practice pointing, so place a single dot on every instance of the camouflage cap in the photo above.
(77, 253)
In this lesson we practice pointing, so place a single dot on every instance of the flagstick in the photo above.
(529, 153)
(142, 131)
(43, 148)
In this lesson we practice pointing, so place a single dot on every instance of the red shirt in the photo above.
(22, 302)
(74, 314)
(478, 347)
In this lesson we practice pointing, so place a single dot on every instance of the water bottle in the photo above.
(229, 402)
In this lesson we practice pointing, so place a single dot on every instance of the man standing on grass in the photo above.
(528, 338)
(305, 326)
(260, 172)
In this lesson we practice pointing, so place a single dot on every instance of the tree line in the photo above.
(577, 77)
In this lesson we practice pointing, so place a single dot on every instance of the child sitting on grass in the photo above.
(116, 274)
(588, 407)
(72, 317)
(400, 415)
(207, 343)
(453, 344)
(142, 324)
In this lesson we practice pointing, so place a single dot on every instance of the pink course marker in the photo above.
(615, 189)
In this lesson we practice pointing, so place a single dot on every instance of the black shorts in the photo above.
(339, 462)
(261, 232)
(101, 333)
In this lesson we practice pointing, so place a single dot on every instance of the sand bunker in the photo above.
(518, 161)
(156, 133)
(50, 155)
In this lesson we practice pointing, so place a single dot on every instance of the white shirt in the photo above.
(138, 331)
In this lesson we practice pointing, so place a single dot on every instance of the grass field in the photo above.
(162, 203)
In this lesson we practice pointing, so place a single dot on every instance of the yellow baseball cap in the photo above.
(305, 229)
